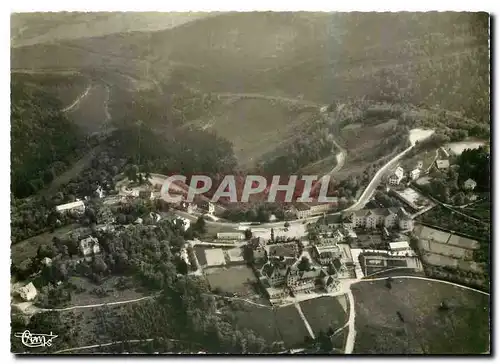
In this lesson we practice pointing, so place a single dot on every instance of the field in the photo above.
(237, 279)
(324, 313)
(462, 329)
(445, 249)
(273, 324)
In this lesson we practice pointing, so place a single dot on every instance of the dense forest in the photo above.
(43, 141)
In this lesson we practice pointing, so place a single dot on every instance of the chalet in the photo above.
(78, 206)
(443, 164)
(27, 292)
(470, 184)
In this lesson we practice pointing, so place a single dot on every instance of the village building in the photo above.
(47, 262)
(396, 176)
(90, 245)
(470, 184)
(443, 164)
(146, 194)
(415, 174)
(398, 246)
(230, 236)
(27, 292)
(78, 206)
(303, 210)
(382, 217)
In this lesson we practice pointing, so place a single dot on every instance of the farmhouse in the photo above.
(215, 257)
(89, 245)
(443, 164)
(470, 184)
(396, 177)
(27, 292)
(78, 206)
(301, 210)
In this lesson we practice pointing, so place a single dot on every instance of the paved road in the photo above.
(267, 97)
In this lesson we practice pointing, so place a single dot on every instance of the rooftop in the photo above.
(443, 163)
(70, 205)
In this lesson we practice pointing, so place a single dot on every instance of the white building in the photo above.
(415, 174)
(399, 246)
(470, 184)
(90, 245)
(77, 206)
(100, 192)
(443, 164)
(28, 292)
(230, 236)
(396, 177)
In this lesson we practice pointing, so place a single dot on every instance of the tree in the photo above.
(304, 264)
(248, 234)
(200, 225)
(99, 266)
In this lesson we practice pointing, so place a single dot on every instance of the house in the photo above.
(414, 174)
(89, 245)
(396, 176)
(189, 207)
(27, 292)
(303, 210)
(78, 206)
(275, 272)
(443, 164)
(470, 184)
(405, 221)
(330, 283)
(47, 262)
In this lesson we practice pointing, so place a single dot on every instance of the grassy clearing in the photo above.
(324, 313)
(273, 324)
(290, 325)
(238, 279)
(463, 329)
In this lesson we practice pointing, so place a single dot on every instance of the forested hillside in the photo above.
(43, 141)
